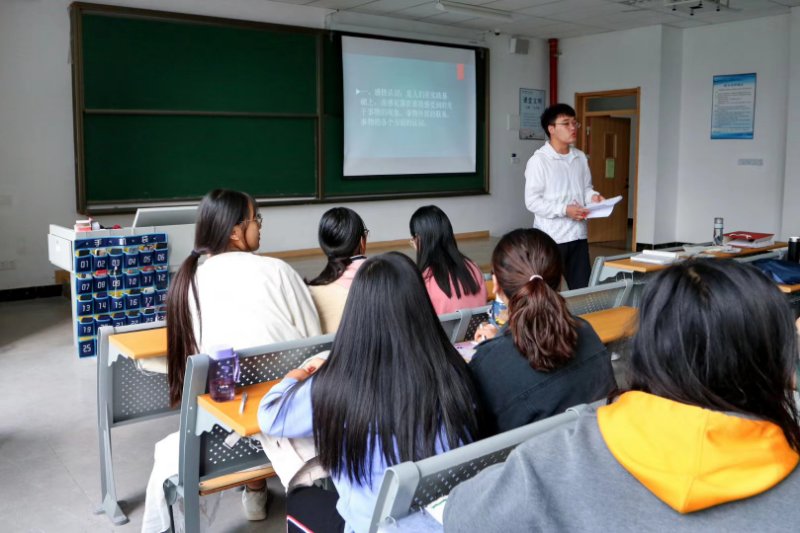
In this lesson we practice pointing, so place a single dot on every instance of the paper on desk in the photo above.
(436, 509)
(602, 209)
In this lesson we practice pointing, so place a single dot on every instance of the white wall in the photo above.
(670, 98)
(37, 184)
(790, 225)
(685, 179)
(710, 181)
(622, 60)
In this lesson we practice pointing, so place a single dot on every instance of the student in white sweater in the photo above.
(236, 298)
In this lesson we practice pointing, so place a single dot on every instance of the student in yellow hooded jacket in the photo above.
(705, 439)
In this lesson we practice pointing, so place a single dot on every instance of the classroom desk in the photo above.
(633, 266)
(610, 324)
(227, 415)
(145, 344)
(645, 268)
(748, 251)
(613, 324)
(789, 289)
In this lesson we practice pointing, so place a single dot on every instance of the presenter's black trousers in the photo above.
(577, 267)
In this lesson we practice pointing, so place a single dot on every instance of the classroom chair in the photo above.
(450, 323)
(408, 487)
(125, 395)
(599, 297)
(206, 464)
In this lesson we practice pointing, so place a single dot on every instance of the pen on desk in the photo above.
(244, 401)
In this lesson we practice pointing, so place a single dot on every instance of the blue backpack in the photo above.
(785, 272)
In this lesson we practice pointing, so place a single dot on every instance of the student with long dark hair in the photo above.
(544, 360)
(706, 439)
(453, 280)
(393, 389)
(235, 298)
(343, 239)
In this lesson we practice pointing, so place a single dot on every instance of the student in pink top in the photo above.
(453, 280)
(343, 238)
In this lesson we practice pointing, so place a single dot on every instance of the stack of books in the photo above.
(748, 239)
(656, 257)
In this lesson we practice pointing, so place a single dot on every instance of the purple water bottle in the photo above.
(223, 372)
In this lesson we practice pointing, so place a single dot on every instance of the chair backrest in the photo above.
(410, 486)
(599, 297)
(775, 254)
(595, 277)
(461, 324)
(450, 323)
(203, 452)
(126, 392)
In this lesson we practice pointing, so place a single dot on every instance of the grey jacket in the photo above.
(567, 480)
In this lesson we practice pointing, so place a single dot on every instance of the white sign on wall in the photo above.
(531, 107)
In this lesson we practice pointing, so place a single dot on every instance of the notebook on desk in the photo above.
(656, 257)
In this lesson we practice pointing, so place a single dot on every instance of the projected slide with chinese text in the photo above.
(409, 108)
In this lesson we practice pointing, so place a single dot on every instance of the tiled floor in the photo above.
(48, 431)
(48, 435)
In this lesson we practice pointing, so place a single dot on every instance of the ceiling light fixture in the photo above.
(475, 11)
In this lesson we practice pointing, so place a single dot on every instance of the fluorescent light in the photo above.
(475, 11)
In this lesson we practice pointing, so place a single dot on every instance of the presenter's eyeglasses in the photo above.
(571, 124)
(258, 219)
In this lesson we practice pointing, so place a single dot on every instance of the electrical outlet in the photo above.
(8, 264)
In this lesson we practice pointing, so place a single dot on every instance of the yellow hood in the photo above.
(693, 458)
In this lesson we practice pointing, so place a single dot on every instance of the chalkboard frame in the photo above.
(479, 183)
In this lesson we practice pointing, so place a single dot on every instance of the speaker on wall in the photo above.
(518, 46)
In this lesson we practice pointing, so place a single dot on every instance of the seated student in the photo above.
(453, 280)
(393, 389)
(343, 238)
(236, 298)
(544, 360)
(706, 439)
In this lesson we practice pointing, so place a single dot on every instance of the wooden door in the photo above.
(609, 141)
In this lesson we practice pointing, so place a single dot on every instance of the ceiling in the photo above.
(560, 18)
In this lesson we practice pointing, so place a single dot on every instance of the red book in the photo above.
(749, 236)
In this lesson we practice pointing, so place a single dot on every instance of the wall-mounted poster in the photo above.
(733, 106)
(531, 107)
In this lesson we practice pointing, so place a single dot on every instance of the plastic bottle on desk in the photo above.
(223, 372)
(719, 238)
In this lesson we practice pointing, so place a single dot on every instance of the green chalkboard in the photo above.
(168, 106)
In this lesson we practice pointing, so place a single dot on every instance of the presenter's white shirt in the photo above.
(552, 182)
(248, 300)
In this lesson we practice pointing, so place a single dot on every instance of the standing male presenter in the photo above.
(558, 186)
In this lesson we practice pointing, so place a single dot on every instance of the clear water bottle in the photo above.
(718, 232)
(223, 372)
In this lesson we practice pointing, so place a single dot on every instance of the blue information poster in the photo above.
(733, 106)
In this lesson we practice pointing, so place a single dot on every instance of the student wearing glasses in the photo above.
(558, 186)
(343, 239)
(235, 298)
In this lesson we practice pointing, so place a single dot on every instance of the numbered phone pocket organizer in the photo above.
(118, 281)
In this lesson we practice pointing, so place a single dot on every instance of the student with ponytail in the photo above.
(544, 360)
(453, 280)
(343, 239)
(235, 298)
